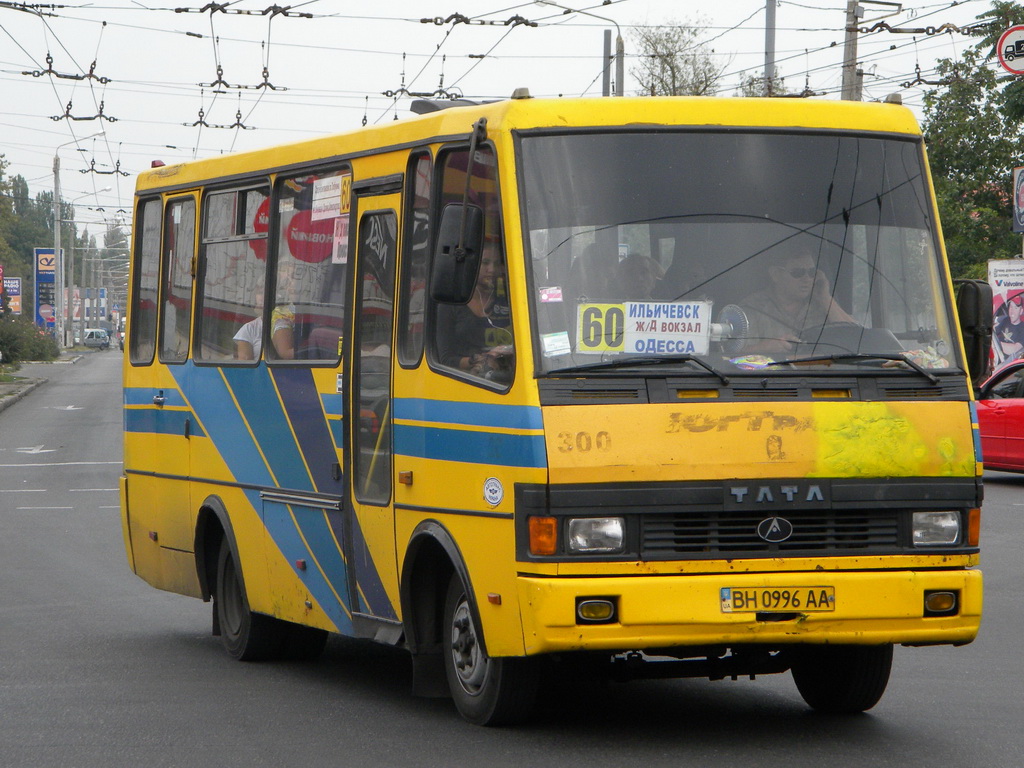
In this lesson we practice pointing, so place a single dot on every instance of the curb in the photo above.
(11, 399)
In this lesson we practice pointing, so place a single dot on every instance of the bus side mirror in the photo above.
(974, 306)
(460, 239)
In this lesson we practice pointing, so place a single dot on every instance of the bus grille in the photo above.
(724, 534)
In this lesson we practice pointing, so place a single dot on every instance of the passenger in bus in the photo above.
(797, 298)
(637, 277)
(249, 339)
(477, 337)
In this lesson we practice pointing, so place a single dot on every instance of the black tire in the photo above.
(486, 691)
(246, 636)
(842, 679)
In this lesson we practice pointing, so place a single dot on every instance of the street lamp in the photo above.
(58, 262)
(619, 48)
(73, 287)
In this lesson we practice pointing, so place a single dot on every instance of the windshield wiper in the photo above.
(626, 362)
(840, 356)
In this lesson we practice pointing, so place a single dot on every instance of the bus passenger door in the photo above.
(371, 549)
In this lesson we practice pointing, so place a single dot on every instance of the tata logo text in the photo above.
(765, 494)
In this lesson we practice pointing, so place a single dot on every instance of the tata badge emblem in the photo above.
(775, 530)
(493, 491)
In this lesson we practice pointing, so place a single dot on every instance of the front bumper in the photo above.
(686, 610)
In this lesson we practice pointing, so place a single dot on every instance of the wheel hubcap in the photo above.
(469, 660)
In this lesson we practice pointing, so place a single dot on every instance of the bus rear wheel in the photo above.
(842, 678)
(246, 636)
(486, 691)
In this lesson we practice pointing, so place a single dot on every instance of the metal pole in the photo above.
(620, 65)
(58, 262)
(853, 12)
(769, 47)
(606, 74)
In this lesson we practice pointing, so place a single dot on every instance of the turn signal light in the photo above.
(973, 527)
(543, 535)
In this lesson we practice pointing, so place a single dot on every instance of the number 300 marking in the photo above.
(583, 441)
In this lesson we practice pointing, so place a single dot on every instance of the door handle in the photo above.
(159, 399)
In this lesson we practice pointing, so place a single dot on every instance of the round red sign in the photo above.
(1010, 50)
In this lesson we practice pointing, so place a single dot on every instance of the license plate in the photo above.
(801, 599)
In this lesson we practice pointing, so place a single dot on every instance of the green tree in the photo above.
(753, 85)
(672, 61)
(974, 139)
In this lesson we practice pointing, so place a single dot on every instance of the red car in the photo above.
(1001, 418)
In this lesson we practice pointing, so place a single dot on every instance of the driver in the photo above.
(797, 297)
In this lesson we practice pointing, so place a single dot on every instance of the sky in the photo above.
(174, 82)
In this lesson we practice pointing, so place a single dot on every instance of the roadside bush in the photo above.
(21, 341)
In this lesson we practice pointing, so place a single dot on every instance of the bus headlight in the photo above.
(596, 534)
(933, 529)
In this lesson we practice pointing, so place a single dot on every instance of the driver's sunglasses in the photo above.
(797, 272)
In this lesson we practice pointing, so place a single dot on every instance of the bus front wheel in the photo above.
(246, 636)
(842, 678)
(486, 691)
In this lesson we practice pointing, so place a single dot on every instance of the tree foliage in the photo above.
(754, 85)
(26, 223)
(975, 137)
(672, 61)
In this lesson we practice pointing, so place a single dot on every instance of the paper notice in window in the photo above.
(326, 198)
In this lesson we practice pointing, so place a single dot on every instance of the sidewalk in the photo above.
(12, 391)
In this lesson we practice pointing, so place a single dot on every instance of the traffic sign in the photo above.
(1010, 50)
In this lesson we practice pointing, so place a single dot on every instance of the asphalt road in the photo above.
(99, 669)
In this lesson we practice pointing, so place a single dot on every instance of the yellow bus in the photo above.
(672, 385)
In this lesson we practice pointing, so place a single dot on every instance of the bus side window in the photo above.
(416, 244)
(142, 341)
(233, 274)
(476, 338)
(312, 217)
(179, 247)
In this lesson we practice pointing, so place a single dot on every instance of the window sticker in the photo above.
(553, 344)
(339, 249)
(550, 295)
(644, 328)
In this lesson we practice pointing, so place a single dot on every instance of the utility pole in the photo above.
(58, 262)
(620, 54)
(606, 74)
(851, 83)
(769, 47)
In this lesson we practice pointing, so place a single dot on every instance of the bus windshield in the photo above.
(739, 250)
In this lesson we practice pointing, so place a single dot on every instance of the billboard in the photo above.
(46, 294)
(12, 289)
(1007, 280)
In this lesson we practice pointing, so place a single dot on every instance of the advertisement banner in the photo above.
(1007, 280)
(46, 276)
(12, 288)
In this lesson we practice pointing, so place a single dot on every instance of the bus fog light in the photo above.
(933, 529)
(595, 610)
(944, 603)
(596, 534)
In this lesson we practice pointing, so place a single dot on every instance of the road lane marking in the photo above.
(63, 464)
